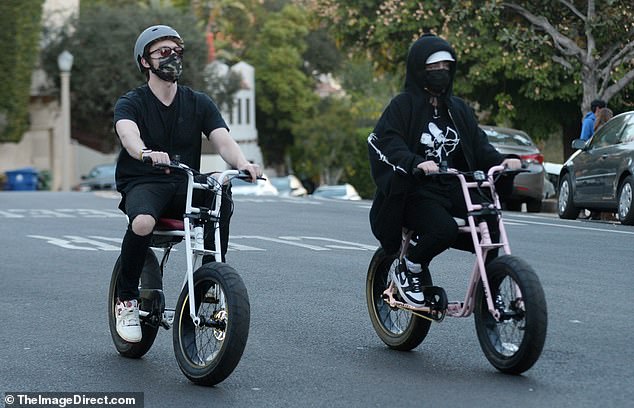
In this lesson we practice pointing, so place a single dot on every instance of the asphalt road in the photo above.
(311, 343)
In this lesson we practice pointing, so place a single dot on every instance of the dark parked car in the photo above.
(528, 187)
(600, 175)
(100, 177)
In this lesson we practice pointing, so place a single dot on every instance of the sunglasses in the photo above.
(163, 52)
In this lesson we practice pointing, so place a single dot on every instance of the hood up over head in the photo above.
(416, 75)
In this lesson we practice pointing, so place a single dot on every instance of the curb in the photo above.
(549, 205)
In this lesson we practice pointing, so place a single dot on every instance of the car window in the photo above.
(608, 134)
(510, 138)
(627, 135)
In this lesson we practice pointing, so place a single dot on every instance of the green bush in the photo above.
(21, 27)
(358, 173)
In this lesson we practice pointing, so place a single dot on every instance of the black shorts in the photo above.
(167, 200)
(156, 199)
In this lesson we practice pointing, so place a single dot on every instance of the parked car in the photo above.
(340, 191)
(100, 177)
(289, 186)
(259, 188)
(600, 175)
(528, 187)
(552, 173)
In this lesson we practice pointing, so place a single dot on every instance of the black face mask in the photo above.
(437, 81)
(169, 68)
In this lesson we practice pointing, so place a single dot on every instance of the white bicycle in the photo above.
(210, 331)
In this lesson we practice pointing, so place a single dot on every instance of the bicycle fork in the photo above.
(195, 251)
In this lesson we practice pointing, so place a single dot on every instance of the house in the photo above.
(43, 145)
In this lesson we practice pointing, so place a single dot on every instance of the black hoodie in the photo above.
(393, 144)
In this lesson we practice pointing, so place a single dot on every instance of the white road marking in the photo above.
(100, 243)
(575, 227)
(282, 241)
(346, 244)
(64, 243)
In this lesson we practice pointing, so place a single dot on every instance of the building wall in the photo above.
(241, 122)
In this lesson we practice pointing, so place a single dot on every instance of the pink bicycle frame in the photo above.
(482, 244)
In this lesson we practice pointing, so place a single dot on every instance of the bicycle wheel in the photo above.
(150, 279)
(399, 329)
(209, 353)
(514, 343)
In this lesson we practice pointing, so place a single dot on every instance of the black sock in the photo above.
(133, 250)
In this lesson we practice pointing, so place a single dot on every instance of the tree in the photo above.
(507, 62)
(285, 94)
(102, 40)
(600, 42)
(326, 142)
(21, 30)
(222, 84)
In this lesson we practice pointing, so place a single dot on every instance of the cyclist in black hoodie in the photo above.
(422, 127)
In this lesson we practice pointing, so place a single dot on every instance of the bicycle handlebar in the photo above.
(448, 171)
(175, 164)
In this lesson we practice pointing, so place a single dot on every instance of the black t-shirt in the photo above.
(176, 129)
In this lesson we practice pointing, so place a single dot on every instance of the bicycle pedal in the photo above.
(436, 298)
(167, 319)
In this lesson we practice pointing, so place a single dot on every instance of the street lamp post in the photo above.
(65, 63)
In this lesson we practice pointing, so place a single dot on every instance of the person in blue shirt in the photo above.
(587, 125)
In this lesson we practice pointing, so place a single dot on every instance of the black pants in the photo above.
(430, 216)
(163, 200)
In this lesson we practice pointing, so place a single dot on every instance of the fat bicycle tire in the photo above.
(399, 329)
(150, 279)
(514, 343)
(208, 355)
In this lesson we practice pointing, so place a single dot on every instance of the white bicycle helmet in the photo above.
(148, 36)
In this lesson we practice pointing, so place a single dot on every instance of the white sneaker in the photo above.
(128, 323)
(409, 283)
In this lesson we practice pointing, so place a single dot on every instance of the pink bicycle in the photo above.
(505, 295)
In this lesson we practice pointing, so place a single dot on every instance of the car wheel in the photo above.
(534, 206)
(565, 206)
(626, 209)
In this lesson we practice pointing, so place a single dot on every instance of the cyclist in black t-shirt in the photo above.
(159, 121)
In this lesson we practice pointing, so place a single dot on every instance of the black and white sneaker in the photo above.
(409, 284)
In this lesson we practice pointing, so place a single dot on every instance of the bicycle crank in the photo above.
(435, 307)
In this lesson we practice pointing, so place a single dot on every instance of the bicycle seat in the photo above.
(169, 224)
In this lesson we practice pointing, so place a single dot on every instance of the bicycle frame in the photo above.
(194, 232)
(481, 241)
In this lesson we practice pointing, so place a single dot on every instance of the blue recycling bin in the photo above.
(24, 179)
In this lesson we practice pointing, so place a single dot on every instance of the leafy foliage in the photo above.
(511, 54)
(20, 22)
(221, 85)
(102, 42)
(326, 144)
(285, 94)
